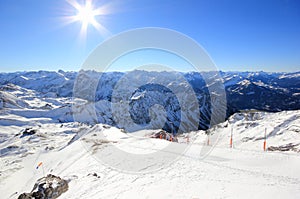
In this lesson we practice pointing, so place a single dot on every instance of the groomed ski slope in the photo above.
(244, 171)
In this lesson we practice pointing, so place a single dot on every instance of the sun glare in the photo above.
(86, 14)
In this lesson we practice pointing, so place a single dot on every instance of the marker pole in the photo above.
(208, 140)
(230, 144)
(265, 141)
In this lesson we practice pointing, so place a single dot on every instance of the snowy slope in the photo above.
(248, 130)
(40, 120)
(171, 90)
(91, 158)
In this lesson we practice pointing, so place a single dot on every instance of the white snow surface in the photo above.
(70, 150)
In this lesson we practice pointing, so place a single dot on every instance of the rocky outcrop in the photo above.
(47, 187)
(164, 135)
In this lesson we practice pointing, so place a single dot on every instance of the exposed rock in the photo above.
(25, 196)
(47, 187)
(28, 131)
(47, 106)
(287, 147)
(164, 135)
(94, 174)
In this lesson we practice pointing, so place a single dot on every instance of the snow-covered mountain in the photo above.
(94, 133)
(91, 159)
(169, 100)
(263, 91)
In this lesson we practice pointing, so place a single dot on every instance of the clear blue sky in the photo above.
(238, 34)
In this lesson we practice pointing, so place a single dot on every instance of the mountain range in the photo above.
(134, 100)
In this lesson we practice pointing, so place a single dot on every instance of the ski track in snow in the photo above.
(244, 171)
(43, 101)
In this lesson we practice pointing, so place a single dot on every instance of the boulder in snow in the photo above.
(50, 186)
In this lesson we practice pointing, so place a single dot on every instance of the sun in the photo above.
(86, 14)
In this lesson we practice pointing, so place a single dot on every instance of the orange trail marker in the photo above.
(230, 143)
(265, 141)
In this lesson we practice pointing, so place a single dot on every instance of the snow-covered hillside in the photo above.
(250, 129)
(98, 135)
(100, 161)
(177, 102)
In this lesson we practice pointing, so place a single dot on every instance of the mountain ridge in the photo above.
(263, 91)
